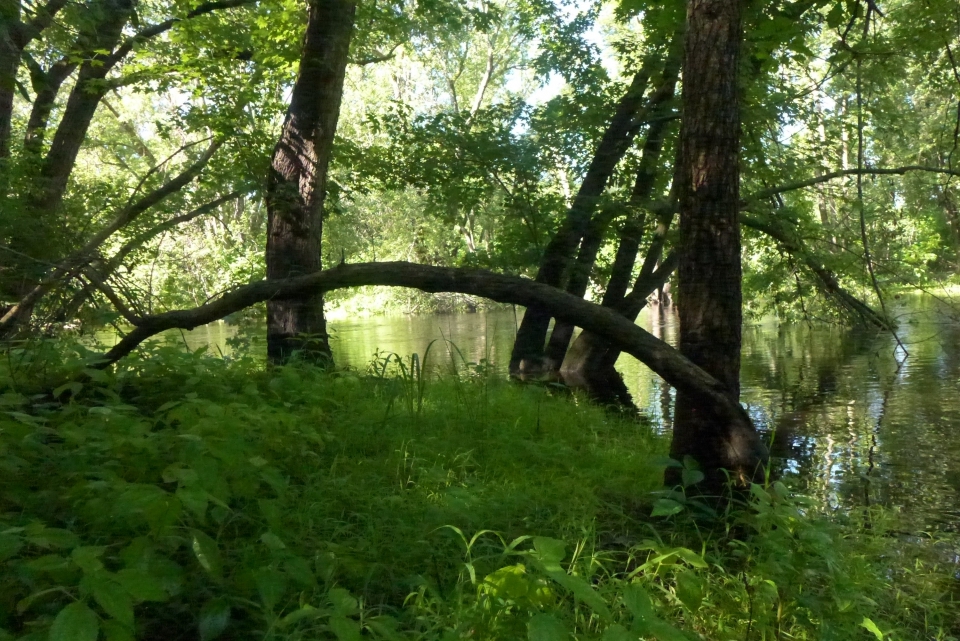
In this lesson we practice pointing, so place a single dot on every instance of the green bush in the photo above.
(182, 496)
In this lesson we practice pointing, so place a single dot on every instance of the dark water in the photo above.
(855, 423)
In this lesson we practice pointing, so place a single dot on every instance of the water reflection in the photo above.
(842, 416)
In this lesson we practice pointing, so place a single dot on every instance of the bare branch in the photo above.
(841, 173)
(111, 296)
(74, 263)
(377, 57)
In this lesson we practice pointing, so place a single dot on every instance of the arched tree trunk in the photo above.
(708, 190)
(297, 183)
(657, 355)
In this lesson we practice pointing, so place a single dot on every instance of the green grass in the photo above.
(183, 496)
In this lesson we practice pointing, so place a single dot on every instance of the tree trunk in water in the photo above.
(298, 180)
(527, 357)
(708, 189)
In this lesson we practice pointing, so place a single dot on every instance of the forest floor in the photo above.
(181, 495)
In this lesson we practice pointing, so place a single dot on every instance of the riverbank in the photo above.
(183, 494)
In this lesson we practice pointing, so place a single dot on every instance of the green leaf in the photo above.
(345, 629)
(205, 549)
(645, 619)
(617, 632)
(51, 537)
(87, 558)
(48, 563)
(835, 16)
(76, 622)
(116, 631)
(665, 632)
(112, 597)
(689, 590)
(194, 499)
(549, 552)
(384, 627)
(690, 557)
(9, 546)
(214, 617)
(299, 570)
(270, 586)
(691, 477)
(306, 611)
(73, 386)
(872, 627)
(272, 541)
(583, 591)
(141, 585)
(638, 603)
(666, 507)
(546, 627)
(343, 602)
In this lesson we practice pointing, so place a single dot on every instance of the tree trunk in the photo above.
(633, 228)
(10, 50)
(590, 357)
(527, 357)
(297, 182)
(81, 106)
(708, 189)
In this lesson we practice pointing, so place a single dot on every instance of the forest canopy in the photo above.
(464, 135)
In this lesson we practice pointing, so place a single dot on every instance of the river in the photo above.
(851, 421)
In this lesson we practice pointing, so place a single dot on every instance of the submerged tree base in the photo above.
(182, 493)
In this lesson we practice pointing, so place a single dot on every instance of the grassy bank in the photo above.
(185, 497)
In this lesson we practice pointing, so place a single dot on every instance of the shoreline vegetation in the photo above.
(180, 496)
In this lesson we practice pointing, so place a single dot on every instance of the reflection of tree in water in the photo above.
(853, 427)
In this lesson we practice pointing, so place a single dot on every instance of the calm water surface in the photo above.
(853, 424)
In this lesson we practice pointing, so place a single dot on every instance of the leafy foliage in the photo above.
(187, 496)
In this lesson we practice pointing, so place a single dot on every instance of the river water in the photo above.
(850, 417)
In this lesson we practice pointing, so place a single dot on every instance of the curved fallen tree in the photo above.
(741, 450)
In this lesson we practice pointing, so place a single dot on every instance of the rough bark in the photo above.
(709, 274)
(527, 356)
(632, 232)
(47, 85)
(297, 182)
(657, 355)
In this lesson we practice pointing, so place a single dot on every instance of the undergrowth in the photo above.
(181, 496)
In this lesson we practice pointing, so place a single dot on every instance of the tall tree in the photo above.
(708, 188)
(297, 183)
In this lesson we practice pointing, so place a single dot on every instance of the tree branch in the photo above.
(377, 57)
(666, 361)
(155, 30)
(866, 171)
(72, 265)
(98, 282)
